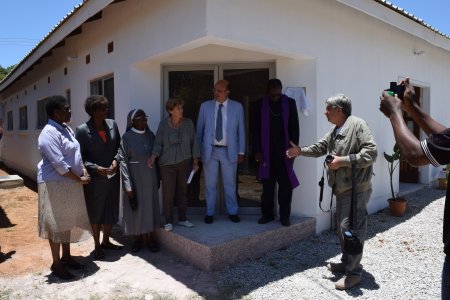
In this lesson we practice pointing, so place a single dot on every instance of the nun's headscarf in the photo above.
(131, 116)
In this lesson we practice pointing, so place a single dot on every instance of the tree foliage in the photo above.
(5, 71)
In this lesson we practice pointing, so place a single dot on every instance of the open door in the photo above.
(408, 173)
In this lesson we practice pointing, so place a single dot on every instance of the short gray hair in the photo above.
(342, 101)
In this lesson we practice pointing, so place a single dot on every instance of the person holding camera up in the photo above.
(435, 149)
(350, 135)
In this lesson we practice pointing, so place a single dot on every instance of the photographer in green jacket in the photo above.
(350, 135)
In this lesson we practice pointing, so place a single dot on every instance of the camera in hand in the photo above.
(395, 88)
(352, 243)
(328, 159)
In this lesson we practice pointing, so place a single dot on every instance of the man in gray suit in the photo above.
(221, 134)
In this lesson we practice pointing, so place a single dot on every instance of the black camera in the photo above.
(395, 88)
(352, 243)
(328, 159)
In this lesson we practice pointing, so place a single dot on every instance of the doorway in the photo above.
(194, 83)
(408, 173)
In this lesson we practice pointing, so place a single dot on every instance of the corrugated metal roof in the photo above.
(410, 16)
(60, 23)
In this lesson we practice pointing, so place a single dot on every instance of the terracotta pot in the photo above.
(397, 206)
(442, 183)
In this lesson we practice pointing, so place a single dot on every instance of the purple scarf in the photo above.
(264, 167)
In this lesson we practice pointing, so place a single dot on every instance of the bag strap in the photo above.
(321, 184)
(354, 204)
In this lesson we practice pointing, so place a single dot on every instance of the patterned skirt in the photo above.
(63, 216)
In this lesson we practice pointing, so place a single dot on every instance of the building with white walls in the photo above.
(139, 53)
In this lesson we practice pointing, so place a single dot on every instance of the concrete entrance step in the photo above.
(218, 245)
(10, 181)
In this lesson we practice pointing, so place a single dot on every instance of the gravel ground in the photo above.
(402, 259)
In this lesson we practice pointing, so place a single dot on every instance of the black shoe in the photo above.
(61, 272)
(153, 246)
(285, 222)
(234, 218)
(72, 263)
(265, 219)
(137, 245)
(209, 219)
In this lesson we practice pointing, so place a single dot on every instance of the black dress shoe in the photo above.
(234, 218)
(265, 219)
(209, 219)
(285, 222)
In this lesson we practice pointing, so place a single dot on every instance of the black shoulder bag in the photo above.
(352, 243)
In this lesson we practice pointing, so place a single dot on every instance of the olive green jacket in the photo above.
(354, 138)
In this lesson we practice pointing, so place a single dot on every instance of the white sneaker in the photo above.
(168, 227)
(185, 224)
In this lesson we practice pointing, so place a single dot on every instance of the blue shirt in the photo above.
(59, 151)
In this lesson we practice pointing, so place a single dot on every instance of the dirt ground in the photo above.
(23, 251)
(26, 258)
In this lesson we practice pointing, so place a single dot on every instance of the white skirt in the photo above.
(63, 216)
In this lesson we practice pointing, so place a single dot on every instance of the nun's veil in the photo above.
(130, 117)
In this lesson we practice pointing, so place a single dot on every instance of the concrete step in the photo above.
(10, 181)
(223, 243)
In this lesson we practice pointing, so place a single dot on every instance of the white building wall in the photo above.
(325, 46)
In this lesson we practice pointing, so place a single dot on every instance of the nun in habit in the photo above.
(140, 200)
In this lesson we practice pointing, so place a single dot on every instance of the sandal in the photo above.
(110, 246)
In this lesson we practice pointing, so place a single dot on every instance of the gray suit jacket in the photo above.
(235, 129)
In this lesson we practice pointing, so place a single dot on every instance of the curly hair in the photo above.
(95, 102)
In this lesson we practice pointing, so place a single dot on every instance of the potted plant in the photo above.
(397, 205)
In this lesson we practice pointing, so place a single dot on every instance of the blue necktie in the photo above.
(219, 132)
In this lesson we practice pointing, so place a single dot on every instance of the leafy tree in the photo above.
(5, 71)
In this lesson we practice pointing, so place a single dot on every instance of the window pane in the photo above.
(10, 120)
(23, 118)
(42, 113)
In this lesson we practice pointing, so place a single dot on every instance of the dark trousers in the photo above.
(278, 174)
(174, 185)
(446, 279)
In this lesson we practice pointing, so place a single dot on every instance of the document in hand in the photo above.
(190, 176)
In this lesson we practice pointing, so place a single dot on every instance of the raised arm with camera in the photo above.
(409, 145)
(435, 150)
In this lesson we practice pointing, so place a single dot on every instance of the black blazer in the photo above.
(94, 151)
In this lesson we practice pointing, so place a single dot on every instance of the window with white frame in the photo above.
(9, 120)
(23, 118)
(41, 113)
(105, 87)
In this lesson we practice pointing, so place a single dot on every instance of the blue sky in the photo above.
(26, 22)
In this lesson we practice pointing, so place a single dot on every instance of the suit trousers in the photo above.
(174, 186)
(446, 279)
(278, 174)
(343, 210)
(219, 157)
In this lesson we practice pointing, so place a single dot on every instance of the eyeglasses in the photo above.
(141, 118)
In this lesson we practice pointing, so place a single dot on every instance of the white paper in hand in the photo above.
(190, 176)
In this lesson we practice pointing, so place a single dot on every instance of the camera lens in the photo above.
(329, 159)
